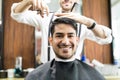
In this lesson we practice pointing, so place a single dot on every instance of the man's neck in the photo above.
(65, 11)
(65, 60)
(62, 11)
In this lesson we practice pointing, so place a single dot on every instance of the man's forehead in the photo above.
(64, 27)
(64, 32)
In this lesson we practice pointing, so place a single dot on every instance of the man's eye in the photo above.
(59, 36)
(71, 36)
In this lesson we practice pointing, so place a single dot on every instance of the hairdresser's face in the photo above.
(66, 5)
(64, 41)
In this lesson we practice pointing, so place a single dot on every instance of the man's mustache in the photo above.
(64, 45)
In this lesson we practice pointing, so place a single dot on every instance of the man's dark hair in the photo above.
(63, 20)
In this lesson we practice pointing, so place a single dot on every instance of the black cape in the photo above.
(74, 70)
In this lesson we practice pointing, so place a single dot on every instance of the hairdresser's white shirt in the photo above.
(34, 19)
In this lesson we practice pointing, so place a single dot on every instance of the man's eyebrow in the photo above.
(63, 33)
(59, 33)
(71, 33)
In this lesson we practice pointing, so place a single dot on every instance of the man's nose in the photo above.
(65, 40)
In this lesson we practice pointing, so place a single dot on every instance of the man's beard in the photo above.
(62, 45)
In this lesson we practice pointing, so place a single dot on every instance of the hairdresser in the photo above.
(41, 18)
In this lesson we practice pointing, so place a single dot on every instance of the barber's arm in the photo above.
(97, 29)
(39, 5)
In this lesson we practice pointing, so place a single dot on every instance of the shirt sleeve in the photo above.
(27, 17)
(91, 36)
(38, 34)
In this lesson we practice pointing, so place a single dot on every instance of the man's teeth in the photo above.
(65, 47)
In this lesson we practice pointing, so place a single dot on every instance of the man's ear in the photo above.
(77, 39)
(50, 40)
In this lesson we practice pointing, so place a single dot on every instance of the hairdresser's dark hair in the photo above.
(63, 20)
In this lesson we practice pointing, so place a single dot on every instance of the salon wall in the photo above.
(99, 10)
(18, 40)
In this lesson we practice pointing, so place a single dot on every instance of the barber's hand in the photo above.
(40, 6)
(68, 15)
(77, 17)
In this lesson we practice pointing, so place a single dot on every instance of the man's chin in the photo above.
(65, 57)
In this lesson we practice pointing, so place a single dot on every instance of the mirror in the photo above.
(1, 35)
(115, 15)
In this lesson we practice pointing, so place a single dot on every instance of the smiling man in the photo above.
(64, 41)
